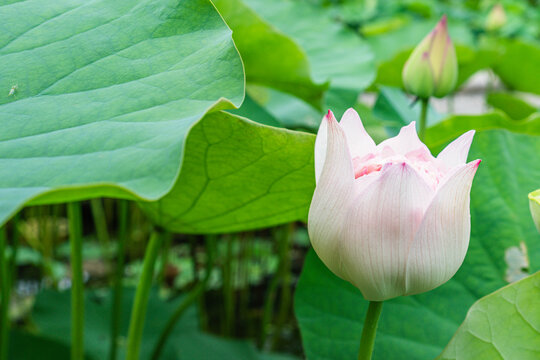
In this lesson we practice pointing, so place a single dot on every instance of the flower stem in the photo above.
(269, 304)
(138, 313)
(5, 296)
(14, 251)
(370, 328)
(423, 118)
(77, 295)
(100, 222)
(285, 275)
(165, 250)
(188, 300)
(123, 207)
(228, 288)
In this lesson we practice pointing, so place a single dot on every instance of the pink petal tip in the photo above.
(443, 22)
(330, 116)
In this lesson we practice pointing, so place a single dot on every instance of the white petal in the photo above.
(331, 198)
(406, 141)
(456, 152)
(379, 228)
(320, 146)
(442, 239)
(360, 143)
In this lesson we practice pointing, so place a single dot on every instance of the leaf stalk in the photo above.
(138, 312)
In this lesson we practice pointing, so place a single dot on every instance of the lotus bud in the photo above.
(431, 70)
(390, 218)
(534, 204)
(496, 18)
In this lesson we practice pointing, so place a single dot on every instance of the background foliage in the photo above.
(202, 114)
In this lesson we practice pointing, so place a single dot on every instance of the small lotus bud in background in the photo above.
(390, 218)
(432, 70)
(534, 203)
(496, 18)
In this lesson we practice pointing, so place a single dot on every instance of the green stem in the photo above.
(188, 300)
(282, 234)
(370, 328)
(100, 222)
(247, 240)
(269, 305)
(285, 275)
(5, 293)
(77, 296)
(15, 250)
(118, 276)
(44, 236)
(228, 289)
(423, 118)
(12, 278)
(193, 254)
(138, 313)
(165, 251)
(451, 103)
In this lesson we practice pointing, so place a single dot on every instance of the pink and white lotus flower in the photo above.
(390, 218)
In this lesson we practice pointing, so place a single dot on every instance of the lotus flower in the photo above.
(390, 218)
(431, 70)
(534, 203)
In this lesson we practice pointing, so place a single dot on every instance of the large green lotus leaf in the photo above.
(386, 46)
(517, 65)
(472, 60)
(200, 346)
(185, 342)
(251, 108)
(271, 58)
(265, 32)
(334, 52)
(455, 125)
(25, 346)
(238, 175)
(330, 311)
(289, 111)
(52, 321)
(97, 96)
(515, 107)
(502, 325)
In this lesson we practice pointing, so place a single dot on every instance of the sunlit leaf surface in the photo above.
(238, 175)
(105, 93)
(503, 325)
